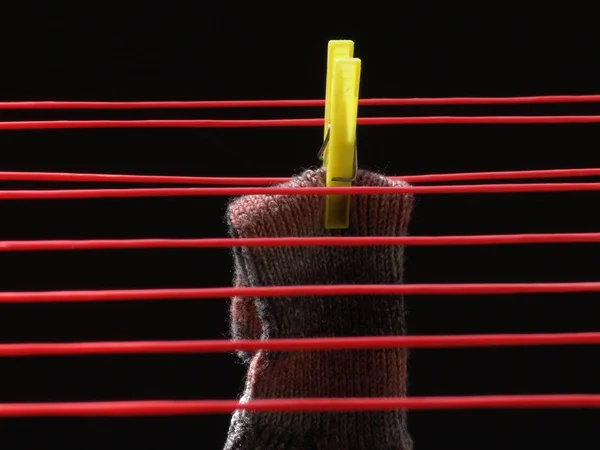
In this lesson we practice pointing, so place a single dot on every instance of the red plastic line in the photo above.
(297, 291)
(353, 190)
(301, 344)
(195, 407)
(175, 104)
(262, 181)
(501, 175)
(262, 123)
(298, 103)
(358, 241)
(150, 179)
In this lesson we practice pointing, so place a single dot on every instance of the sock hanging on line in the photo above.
(344, 373)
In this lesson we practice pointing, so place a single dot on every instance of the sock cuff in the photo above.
(302, 215)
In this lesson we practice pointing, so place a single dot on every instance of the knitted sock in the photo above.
(344, 373)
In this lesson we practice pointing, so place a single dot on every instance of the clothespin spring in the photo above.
(321, 155)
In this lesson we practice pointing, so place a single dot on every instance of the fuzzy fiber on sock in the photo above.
(344, 373)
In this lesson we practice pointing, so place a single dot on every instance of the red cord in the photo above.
(236, 191)
(262, 181)
(297, 291)
(103, 244)
(300, 344)
(195, 407)
(301, 103)
(262, 123)
(501, 175)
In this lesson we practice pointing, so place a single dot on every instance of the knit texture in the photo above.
(344, 373)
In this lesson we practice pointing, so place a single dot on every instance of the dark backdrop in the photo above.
(191, 51)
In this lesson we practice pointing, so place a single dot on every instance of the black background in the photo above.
(195, 51)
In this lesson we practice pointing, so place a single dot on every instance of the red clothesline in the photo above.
(262, 123)
(297, 291)
(299, 344)
(195, 407)
(105, 244)
(299, 103)
(262, 181)
(237, 191)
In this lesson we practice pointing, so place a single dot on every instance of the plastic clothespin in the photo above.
(339, 145)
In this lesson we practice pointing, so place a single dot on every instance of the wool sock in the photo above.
(304, 374)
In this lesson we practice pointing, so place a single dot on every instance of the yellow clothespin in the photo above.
(338, 151)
